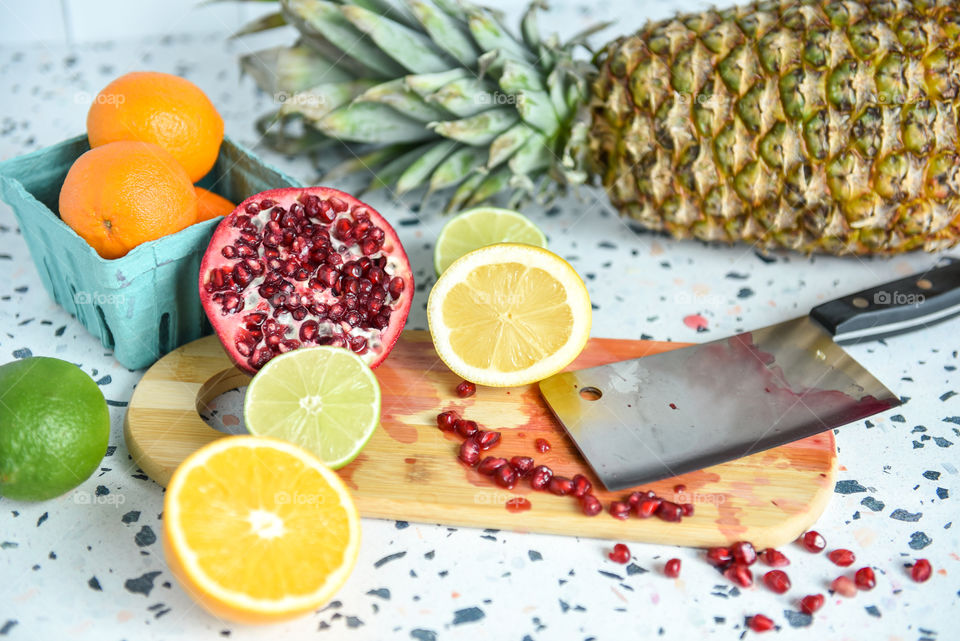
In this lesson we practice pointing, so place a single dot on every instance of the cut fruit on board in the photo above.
(409, 470)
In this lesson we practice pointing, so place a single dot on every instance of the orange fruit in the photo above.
(163, 109)
(211, 205)
(258, 530)
(126, 193)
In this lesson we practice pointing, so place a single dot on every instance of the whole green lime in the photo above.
(54, 427)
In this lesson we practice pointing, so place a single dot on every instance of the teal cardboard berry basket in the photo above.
(146, 303)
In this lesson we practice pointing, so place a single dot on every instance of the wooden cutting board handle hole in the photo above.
(219, 383)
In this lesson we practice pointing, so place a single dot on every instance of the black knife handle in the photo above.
(894, 308)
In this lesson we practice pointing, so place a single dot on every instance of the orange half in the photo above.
(259, 530)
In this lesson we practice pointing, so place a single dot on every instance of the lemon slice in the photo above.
(509, 314)
(324, 399)
(480, 227)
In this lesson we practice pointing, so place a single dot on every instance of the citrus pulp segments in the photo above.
(279, 488)
(480, 227)
(324, 399)
(495, 297)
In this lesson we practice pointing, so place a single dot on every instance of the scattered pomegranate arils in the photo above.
(774, 558)
(620, 510)
(743, 552)
(921, 570)
(542, 445)
(672, 568)
(560, 485)
(865, 578)
(620, 554)
(540, 477)
(636, 497)
(679, 488)
(273, 255)
(646, 507)
(739, 574)
(844, 585)
(487, 440)
(469, 451)
(491, 464)
(811, 603)
(777, 580)
(760, 623)
(841, 557)
(687, 509)
(590, 505)
(719, 557)
(523, 465)
(581, 485)
(465, 389)
(669, 511)
(465, 428)
(813, 542)
(505, 476)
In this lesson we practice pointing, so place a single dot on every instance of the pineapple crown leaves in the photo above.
(434, 93)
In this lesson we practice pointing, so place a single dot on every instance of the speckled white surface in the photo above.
(88, 565)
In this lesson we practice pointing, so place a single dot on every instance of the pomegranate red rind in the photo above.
(308, 266)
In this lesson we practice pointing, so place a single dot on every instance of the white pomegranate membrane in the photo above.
(301, 267)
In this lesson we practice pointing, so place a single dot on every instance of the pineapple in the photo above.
(819, 126)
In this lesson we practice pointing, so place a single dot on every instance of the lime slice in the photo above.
(480, 227)
(324, 399)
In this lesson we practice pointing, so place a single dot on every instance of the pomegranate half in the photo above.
(308, 266)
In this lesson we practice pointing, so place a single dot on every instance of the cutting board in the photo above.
(409, 469)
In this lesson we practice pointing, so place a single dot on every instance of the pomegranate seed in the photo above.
(774, 558)
(669, 511)
(841, 557)
(777, 580)
(739, 574)
(921, 571)
(635, 498)
(395, 287)
(865, 578)
(620, 554)
(542, 445)
(813, 541)
(523, 465)
(491, 464)
(465, 428)
(843, 585)
(560, 485)
(466, 389)
(581, 485)
(540, 477)
(679, 488)
(447, 420)
(743, 552)
(620, 510)
(811, 603)
(487, 440)
(672, 568)
(646, 508)
(505, 476)
(687, 509)
(590, 505)
(309, 330)
(760, 623)
(719, 557)
(470, 451)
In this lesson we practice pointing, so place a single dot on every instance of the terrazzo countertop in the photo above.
(88, 565)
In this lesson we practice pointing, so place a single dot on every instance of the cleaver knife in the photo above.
(651, 418)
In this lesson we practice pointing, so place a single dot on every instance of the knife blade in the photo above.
(655, 417)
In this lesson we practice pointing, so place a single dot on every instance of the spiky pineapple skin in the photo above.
(818, 126)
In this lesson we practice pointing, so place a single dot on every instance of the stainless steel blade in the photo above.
(683, 410)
